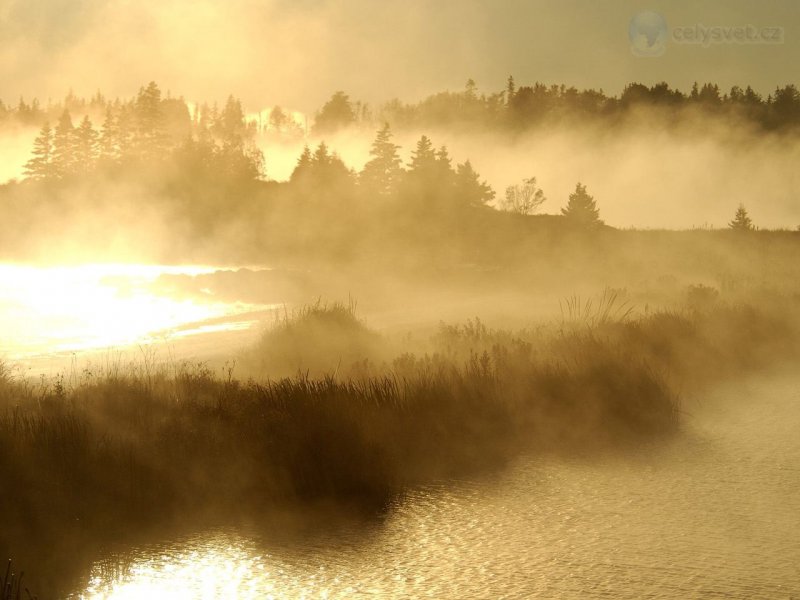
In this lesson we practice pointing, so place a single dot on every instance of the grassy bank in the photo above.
(120, 447)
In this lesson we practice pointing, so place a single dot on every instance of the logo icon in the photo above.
(647, 32)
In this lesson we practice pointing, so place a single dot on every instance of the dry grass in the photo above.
(118, 447)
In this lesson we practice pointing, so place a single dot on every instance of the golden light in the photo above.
(52, 309)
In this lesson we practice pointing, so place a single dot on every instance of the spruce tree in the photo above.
(470, 190)
(278, 119)
(64, 147)
(423, 157)
(109, 139)
(382, 172)
(230, 125)
(86, 147)
(337, 113)
(40, 165)
(581, 209)
(742, 221)
(303, 167)
(151, 139)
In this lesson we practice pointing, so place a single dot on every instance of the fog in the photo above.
(645, 175)
(296, 53)
(347, 298)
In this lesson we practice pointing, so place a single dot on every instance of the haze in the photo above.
(424, 299)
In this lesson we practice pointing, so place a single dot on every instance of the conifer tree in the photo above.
(40, 165)
(382, 172)
(423, 157)
(303, 167)
(278, 119)
(64, 147)
(581, 209)
(742, 220)
(86, 148)
(470, 190)
(444, 162)
(150, 127)
(337, 113)
(109, 138)
(230, 126)
(511, 89)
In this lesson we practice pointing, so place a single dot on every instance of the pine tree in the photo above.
(470, 190)
(423, 158)
(303, 167)
(86, 148)
(278, 119)
(582, 209)
(64, 147)
(40, 165)
(230, 125)
(126, 131)
(444, 162)
(381, 174)
(511, 89)
(151, 139)
(742, 221)
(109, 138)
(335, 114)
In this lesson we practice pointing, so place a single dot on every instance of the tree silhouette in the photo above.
(64, 146)
(40, 164)
(382, 172)
(511, 89)
(423, 157)
(150, 134)
(303, 167)
(742, 221)
(109, 138)
(322, 170)
(335, 114)
(581, 209)
(230, 126)
(523, 199)
(85, 148)
(470, 190)
(278, 119)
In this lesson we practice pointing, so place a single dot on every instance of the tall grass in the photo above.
(316, 340)
(115, 447)
(12, 585)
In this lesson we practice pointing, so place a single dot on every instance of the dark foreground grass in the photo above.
(11, 585)
(121, 449)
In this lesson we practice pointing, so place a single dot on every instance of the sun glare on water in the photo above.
(213, 565)
(57, 309)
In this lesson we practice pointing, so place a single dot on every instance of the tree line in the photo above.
(149, 130)
(514, 108)
(517, 108)
(152, 130)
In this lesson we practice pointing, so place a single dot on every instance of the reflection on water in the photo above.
(714, 515)
(70, 308)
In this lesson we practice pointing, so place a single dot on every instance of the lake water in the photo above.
(712, 514)
(47, 313)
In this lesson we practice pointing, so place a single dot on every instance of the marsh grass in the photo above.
(12, 587)
(116, 447)
(315, 339)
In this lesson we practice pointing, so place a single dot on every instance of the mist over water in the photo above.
(53, 315)
(709, 515)
(349, 299)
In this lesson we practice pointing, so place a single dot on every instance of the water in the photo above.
(712, 514)
(51, 312)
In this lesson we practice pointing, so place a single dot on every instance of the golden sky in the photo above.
(297, 52)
